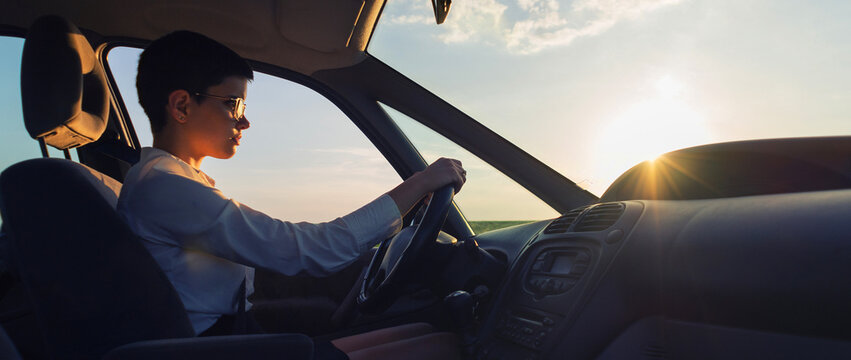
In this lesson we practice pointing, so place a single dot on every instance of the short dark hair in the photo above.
(183, 60)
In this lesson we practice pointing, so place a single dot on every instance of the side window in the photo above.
(302, 159)
(489, 200)
(122, 63)
(15, 143)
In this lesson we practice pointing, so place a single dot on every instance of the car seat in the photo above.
(92, 285)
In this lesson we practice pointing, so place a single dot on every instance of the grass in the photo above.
(484, 226)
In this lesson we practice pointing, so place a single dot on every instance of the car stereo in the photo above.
(556, 271)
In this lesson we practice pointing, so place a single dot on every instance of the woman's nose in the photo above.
(243, 123)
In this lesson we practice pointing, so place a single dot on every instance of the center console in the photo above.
(549, 282)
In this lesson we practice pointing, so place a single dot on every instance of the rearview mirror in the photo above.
(441, 9)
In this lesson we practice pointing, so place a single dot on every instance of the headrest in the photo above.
(63, 86)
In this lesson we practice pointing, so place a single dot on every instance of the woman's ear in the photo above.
(178, 105)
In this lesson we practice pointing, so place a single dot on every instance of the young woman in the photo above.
(193, 90)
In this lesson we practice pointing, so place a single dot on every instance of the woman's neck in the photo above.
(175, 145)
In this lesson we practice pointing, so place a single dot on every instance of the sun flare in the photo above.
(649, 128)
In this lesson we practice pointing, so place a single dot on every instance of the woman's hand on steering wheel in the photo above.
(442, 172)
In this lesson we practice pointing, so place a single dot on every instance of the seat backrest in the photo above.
(92, 283)
(7, 348)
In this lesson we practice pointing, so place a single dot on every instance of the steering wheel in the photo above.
(392, 265)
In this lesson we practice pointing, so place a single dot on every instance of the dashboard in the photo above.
(755, 276)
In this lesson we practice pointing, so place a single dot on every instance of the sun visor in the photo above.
(63, 87)
(329, 25)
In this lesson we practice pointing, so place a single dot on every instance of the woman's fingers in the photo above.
(446, 171)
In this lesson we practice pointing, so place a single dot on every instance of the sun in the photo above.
(668, 87)
(649, 128)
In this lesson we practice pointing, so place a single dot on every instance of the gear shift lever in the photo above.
(460, 305)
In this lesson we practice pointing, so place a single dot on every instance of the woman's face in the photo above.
(215, 131)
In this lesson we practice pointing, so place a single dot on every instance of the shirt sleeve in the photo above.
(195, 216)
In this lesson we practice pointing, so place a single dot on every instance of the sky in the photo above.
(592, 87)
(589, 87)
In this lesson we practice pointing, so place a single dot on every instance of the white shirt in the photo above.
(207, 243)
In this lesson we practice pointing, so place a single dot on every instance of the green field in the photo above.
(484, 226)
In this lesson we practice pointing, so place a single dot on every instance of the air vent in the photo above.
(561, 224)
(600, 217)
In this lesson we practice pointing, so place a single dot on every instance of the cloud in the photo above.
(479, 17)
(412, 19)
(523, 26)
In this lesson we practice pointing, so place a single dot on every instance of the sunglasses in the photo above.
(238, 109)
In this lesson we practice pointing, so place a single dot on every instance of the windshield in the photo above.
(593, 87)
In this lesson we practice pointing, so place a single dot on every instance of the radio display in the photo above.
(562, 263)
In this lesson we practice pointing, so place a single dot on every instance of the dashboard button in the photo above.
(548, 285)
